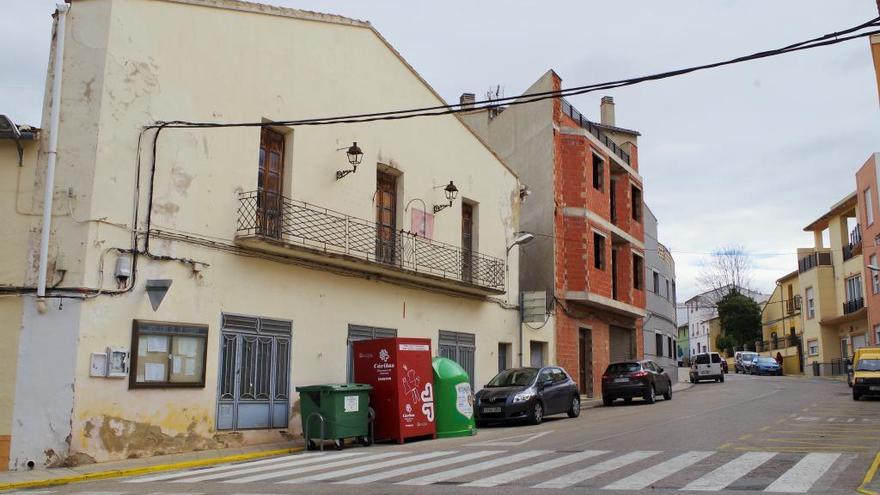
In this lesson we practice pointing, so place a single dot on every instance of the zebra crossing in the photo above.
(692, 471)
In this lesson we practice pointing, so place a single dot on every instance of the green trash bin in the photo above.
(453, 399)
(335, 412)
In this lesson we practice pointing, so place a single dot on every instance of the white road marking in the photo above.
(509, 441)
(726, 474)
(302, 460)
(31, 492)
(225, 467)
(572, 478)
(657, 472)
(370, 467)
(309, 469)
(474, 468)
(404, 471)
(802, 475)
(532, 469)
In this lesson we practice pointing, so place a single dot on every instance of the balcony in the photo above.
(854, 248)
(813, 260)
(279, 225)
(853, 305)
(584, 123)
(793, 304)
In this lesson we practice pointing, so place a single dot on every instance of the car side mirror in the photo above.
(660, 369)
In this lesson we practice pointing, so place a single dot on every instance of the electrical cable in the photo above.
(824, 40)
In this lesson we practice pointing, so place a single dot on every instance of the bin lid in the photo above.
(336, 387)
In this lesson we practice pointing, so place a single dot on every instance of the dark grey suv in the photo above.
(628, 379)
(527, 394)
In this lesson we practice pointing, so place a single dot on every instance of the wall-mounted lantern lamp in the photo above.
(451, 193)
(355, 155)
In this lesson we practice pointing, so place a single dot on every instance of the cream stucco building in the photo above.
(235, 263)
(830, 278)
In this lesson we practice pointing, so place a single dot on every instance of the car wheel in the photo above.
(628, 400)
(722, 379)
(668, 394)
(575, 409)
(856, 396)
(651, 396)
(536, 415)
(692, 379)
(339, 443)
(481, 424)
(311, 445)
(607, 401)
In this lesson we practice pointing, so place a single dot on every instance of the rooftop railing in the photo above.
(571, 111)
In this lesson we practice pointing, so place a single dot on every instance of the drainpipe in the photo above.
(54, 118)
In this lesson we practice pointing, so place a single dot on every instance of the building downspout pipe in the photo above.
(54, 118)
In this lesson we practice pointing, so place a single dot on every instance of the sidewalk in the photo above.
(130, 467)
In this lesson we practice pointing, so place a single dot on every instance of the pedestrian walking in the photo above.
(779, 358)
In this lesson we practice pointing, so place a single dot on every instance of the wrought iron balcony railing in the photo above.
(793, 304)
(813, 260)
(272, 216)
(855, 242)
(853, 305)
(571, 111)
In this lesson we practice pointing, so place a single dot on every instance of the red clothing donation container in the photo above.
(402, 377)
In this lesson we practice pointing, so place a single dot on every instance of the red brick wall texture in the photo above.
(575, 270)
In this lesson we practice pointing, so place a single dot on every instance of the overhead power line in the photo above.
(834, 38)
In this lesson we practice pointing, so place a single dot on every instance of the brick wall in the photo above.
(569, 321)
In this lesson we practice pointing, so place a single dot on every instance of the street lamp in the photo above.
(355, 155)
(451, 193)
(522, 238)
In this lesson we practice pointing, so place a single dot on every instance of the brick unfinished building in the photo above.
(586, 209)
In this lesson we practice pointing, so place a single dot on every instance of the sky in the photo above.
(748, 154)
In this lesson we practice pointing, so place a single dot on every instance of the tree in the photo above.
(729, 267)
(740, 318)
(724, 343)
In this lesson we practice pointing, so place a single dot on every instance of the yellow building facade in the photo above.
(832, 289)
(782, 325)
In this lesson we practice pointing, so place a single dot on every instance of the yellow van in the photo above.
(866, 372)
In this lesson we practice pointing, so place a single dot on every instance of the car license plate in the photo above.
(491, 409)
(621, 380)
(704, 372)
(874, 388)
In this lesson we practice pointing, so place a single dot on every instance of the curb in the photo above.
(869, 476)
(117, 473)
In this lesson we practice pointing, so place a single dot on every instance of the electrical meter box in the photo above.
(400, 372)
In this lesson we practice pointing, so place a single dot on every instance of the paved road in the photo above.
(747, 435)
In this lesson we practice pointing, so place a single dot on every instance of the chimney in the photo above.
(466, 100)
(606, 110)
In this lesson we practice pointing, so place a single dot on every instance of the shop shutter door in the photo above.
(621, 344)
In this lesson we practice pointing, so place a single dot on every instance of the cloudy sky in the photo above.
(748, 154)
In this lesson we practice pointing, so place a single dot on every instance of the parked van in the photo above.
(707, 366)
(742, 360)
(866, 372)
